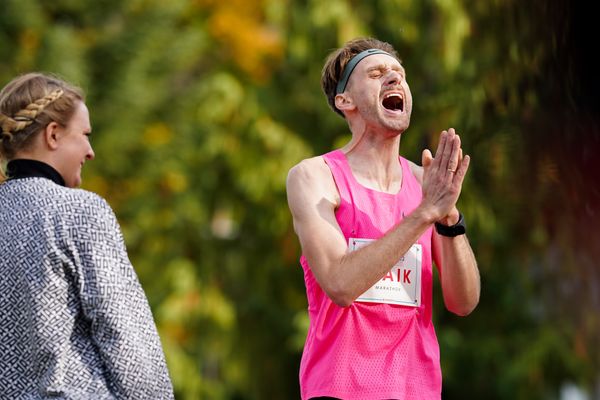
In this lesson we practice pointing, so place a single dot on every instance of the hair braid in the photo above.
(25, 117)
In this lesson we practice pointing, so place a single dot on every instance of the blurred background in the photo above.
(200, 107)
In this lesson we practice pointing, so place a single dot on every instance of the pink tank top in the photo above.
(371, 350)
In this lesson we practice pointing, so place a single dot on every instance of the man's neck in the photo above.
(373, 158)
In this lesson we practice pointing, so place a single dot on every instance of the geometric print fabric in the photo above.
(74, 320)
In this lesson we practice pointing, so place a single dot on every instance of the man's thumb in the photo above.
(426, 158)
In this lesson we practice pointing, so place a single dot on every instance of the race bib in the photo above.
(401, 285)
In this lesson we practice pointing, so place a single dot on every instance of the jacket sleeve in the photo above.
(121, 322)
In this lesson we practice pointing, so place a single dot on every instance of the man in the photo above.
(365, 219)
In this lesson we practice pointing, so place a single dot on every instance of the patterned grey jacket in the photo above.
(74, 320)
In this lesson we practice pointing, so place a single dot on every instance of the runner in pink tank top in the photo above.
(390, 350)
(365, 220)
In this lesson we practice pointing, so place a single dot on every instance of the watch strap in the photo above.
(460, 228)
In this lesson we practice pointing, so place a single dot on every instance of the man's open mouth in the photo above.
(394, 102)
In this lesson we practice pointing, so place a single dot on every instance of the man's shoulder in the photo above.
(315, 162)
(310, 170)
(312, 175)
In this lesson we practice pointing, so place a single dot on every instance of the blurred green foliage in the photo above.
(200, 107)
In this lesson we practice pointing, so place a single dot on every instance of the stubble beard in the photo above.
(396, 125)
(375, 116)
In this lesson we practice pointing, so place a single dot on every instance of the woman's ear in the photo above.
(51, 135)
(343, 102)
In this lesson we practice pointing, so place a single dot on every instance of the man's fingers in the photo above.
(441, 145)
(454, 156)
(462, 168)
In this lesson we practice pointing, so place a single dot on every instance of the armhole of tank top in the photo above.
(336, 174)
(406, 167)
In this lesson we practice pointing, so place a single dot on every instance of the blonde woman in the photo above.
(74, 320)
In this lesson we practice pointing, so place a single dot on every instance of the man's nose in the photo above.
(393, 77)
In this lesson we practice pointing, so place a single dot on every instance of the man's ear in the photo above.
(52, 134)
(343, 102)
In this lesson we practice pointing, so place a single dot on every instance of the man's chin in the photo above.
(397, 126)
(398, 123)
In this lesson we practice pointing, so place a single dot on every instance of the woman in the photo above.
(74, 320)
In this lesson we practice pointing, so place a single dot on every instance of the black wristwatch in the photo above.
(459, 228)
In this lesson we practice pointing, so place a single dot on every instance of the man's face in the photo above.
(379, 89)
